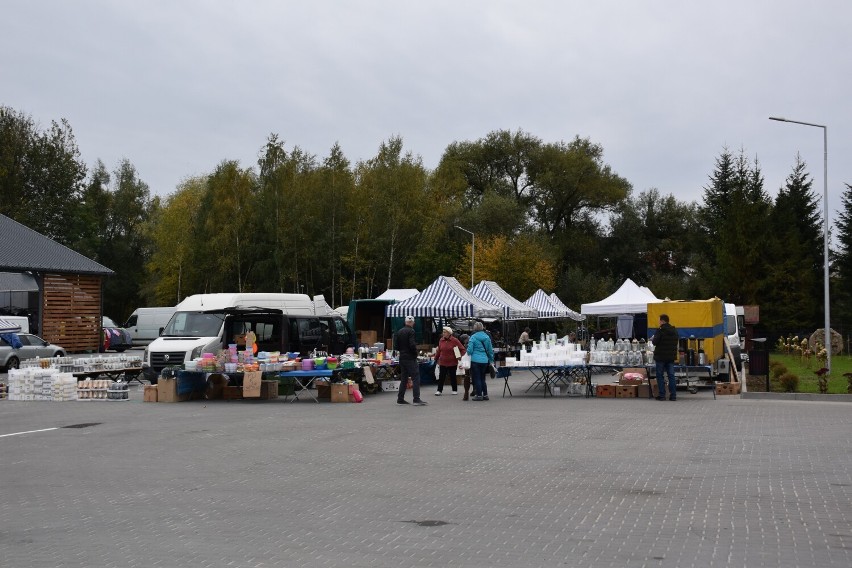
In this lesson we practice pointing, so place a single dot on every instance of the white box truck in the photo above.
(206, 323)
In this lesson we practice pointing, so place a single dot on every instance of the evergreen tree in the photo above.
(735, 219)
(842, 292)
(794, 283)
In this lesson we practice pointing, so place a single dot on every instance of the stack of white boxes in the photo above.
(41, 384)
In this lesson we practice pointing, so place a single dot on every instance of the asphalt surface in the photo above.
(520, 481)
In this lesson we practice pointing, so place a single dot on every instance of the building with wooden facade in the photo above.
(60, 290)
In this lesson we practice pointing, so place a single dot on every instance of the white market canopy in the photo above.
(628, 299)
(447, 298)
(545, 306)
(492, 293)
(398, 294)
(554, 299)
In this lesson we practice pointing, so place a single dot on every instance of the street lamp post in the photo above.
(825, 232)
(472, 244)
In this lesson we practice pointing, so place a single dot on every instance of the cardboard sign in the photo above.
(251, 384)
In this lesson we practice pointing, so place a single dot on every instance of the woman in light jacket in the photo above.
(481, 354)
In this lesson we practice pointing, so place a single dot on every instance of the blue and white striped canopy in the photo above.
(492, 293)
(446, 298)
(8, 327)
(546, 309)
(554, 299)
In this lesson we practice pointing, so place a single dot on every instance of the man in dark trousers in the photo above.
(665, 353)
(406, 344)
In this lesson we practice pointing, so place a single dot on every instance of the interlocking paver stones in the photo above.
(520, 481)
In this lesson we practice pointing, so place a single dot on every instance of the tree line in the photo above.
(551, 215)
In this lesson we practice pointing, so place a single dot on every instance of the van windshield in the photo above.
(194, 324)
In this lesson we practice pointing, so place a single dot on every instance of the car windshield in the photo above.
(194, 324)
(107, 322)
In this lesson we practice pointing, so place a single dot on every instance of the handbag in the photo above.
(491, 371)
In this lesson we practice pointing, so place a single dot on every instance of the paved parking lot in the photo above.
(521, 481)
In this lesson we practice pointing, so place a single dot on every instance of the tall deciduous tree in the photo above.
(41, 175)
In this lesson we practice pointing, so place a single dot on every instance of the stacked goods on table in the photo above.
(620, 352)
(102, 389)
(94, 365)
(549, 353)
(41, 384)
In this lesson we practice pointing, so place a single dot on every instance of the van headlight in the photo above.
(145, 355)
(196, 353)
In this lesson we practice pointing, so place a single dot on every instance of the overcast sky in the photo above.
(178, 86)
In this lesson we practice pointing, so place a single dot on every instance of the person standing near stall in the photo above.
(406, 344)
(481, 354)
(447, 356)
(665, 353)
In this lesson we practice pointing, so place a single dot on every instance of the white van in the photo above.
(144, 324)
(206, 323)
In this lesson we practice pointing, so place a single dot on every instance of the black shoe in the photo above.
(402, 401)
(661, 398)
(485, 397)
(672, 398)
(419, 402)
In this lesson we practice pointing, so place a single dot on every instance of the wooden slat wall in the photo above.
(71, 311)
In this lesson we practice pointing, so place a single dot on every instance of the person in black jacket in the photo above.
(665, 353)
(406, 344)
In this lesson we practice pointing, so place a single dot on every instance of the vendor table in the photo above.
(550, 376)
(130, 374)
(307, 379)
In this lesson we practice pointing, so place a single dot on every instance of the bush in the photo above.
(778, 370)
(789, 382)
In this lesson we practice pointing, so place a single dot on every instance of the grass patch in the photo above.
(806, 369)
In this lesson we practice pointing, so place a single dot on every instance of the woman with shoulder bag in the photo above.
(447, 356)
(481, 355)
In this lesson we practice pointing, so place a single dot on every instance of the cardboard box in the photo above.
(149, 394)
(251, 384)
(268, 390)
(167, 390)
(232, 393)
(323, 389)
(626, 391)
(339, 392)
(633, 371)
(648, 390)
(728, 388)
(605, 391)
(368, 337)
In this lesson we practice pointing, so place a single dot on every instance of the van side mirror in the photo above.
(161, 331)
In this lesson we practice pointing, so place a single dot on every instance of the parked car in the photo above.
(115, 337)
(32, 346)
